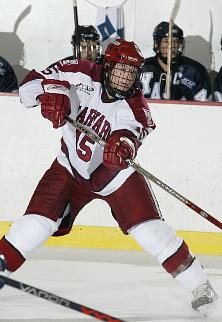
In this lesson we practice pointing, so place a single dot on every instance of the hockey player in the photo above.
(110, 104)
(8, 79)
(89, 46)
(190, 79)
(218, 87)
(217, 95)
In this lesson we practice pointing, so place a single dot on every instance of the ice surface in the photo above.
(127, 285)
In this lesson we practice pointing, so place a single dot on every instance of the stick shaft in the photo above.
(169, 58)
(32, 290)
(177, 195)
(86, 130)
(76, 22)
(169, 49)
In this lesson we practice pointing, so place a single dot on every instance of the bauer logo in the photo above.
(59, 87)
(85, 88)
(70, 62)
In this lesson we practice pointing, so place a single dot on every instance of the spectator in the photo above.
(111, 105)
(218, 87)
(8, 80)
(189, 79)
(217, 94)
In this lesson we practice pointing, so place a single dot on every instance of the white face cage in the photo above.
(89, 50)
(121, 80)
(123, 76)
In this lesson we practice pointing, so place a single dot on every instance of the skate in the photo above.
(204, 297)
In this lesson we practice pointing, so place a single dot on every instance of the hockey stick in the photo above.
(169, 50)
(212, 67)
(76, 32)
(86, 130)
(58, 300)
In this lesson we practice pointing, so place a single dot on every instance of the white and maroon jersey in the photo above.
(79, 154)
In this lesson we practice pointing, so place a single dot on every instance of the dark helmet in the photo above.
(86, 33)
(161, 31)
(125, 53)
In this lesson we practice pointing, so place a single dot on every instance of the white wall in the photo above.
(43, 35)
(184, 151)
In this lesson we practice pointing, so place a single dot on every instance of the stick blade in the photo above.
(175, 10)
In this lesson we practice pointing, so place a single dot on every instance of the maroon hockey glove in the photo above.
(55, 102)
(118, 149)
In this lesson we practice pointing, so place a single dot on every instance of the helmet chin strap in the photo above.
(162, 59)
(113, 93)
(162, 63)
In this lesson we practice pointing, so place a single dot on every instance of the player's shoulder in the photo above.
(192, 64)
(137, 100)
(150, 61)
(72, 65)
(218, 78)
(67, 61)
(4, 63)
(138, 105)
(150, 64)
(220, 72)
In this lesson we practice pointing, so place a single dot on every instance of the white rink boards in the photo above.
(184, 151)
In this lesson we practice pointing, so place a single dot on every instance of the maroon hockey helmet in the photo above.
(126, 52)
(122, 53)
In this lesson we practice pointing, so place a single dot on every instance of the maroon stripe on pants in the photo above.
(13, 257)
(179, 261)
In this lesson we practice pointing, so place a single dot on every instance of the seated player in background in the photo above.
(217, 95)
(112, 105)
(189, 79)
(8, 79)
(217, 88)
(89, 48)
